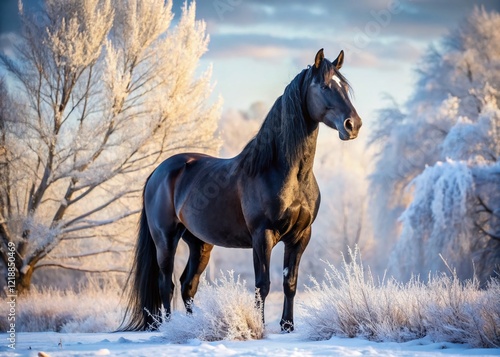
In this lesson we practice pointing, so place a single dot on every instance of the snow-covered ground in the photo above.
(154, 344)
(275, 343)
(151, 344)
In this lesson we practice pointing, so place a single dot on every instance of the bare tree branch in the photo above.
(85, 270)
(95, 224)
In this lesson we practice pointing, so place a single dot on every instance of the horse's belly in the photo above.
(227, 240)
(219, 233)
(219, 222)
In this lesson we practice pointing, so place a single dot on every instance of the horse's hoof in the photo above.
(287, 326)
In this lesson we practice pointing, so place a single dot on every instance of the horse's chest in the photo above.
(296, 209)
(286, 206)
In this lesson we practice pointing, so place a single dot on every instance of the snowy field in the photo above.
(344, 305)
(275, 344)
(155, 344)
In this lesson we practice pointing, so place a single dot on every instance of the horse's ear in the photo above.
(319, 57)
(339, 61)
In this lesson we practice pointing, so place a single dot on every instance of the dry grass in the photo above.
(350, 303)
(224, 310)
(94, 308)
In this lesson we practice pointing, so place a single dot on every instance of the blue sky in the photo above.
(258, 46)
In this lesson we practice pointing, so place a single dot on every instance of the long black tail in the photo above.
(144, 301)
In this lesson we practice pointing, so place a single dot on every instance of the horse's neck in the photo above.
(302, 166)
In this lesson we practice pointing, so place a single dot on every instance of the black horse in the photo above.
(266, 194)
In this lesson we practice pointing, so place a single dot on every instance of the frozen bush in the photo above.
(224, 310)
(462, 313)
(351, 303)
(93, 308)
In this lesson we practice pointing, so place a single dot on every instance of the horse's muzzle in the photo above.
(352, 126)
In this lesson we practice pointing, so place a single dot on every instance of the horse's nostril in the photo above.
(348, 125)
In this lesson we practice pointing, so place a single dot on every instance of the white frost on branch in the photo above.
(110, 88)
(432, 156)
(436, 220)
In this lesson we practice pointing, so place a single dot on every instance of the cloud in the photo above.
(375, 32)
(257, 45)
(7, 42)
(386, 55)
(323, 14)
(377, 52)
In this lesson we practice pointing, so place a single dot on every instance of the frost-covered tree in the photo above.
(438, 164)
(101, 90)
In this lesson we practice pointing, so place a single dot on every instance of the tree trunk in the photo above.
(23, 281)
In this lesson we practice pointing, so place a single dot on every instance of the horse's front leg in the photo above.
(263, 243)
(293, 253)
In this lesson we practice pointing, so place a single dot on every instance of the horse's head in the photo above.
(328, 97)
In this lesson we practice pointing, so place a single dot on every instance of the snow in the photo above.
(156, 344)
(294, 344)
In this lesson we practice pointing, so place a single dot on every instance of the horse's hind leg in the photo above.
(199, 255)
(165, 253)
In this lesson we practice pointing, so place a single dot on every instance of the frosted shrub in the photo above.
(91, 309)
(224, 310)
(350, 303)
(462, 313)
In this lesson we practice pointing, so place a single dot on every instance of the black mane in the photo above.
(283, 130)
